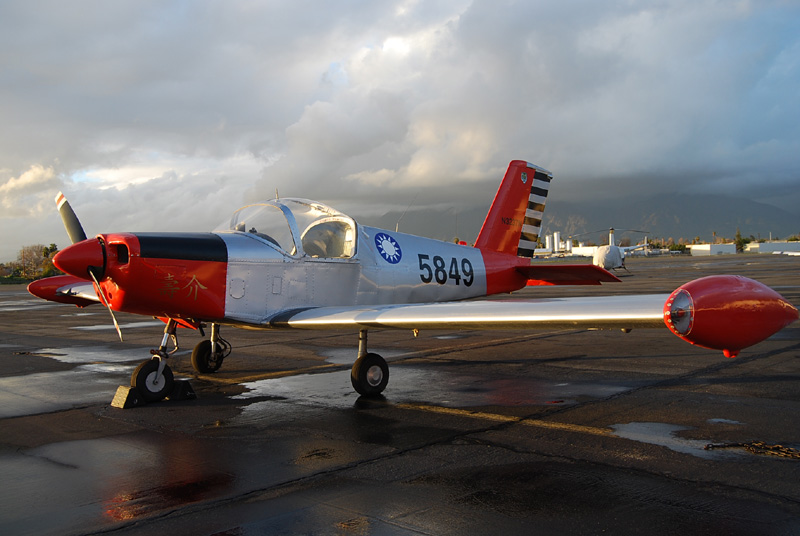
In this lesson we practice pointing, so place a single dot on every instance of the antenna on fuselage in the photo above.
(397, 225)
(276, 194)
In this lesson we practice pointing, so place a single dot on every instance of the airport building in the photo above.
(772, 247)
(702, 250)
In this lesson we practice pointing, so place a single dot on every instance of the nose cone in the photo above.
(76, 259)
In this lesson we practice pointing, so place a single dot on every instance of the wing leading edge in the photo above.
(65, 289)
(602, 312)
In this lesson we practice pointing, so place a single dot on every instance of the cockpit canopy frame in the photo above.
(297, 227)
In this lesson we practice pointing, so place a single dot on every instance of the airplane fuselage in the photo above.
(238, 277)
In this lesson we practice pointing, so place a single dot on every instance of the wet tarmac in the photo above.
(507, 432)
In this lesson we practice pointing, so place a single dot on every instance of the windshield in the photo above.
(321, 231)
(266, 221)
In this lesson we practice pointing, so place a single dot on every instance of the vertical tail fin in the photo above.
(515, 217)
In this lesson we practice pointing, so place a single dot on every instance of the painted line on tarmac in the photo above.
(536, 423)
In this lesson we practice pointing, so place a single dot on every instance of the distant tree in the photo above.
(740, 241)
(35, 261)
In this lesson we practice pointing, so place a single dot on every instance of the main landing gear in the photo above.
(370, 373)
(207, 356)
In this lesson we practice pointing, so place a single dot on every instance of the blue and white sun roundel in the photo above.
(388, 248)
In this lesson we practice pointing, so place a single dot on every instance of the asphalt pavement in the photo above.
(498, 432)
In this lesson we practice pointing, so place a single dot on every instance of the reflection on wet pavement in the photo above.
(406, 383)
(129, 325)
(45, 392)
(99, 371)
(94, 354)
(347, 356)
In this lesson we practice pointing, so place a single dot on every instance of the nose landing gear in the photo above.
(153, 378)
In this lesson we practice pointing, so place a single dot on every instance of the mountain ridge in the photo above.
(663, 216)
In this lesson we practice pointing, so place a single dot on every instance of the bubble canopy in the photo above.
(297, 227)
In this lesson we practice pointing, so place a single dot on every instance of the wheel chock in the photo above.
(182, 390)
(127, 397)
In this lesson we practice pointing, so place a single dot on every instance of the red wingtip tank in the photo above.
(726, 312)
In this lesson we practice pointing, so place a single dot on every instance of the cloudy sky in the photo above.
(154, 115)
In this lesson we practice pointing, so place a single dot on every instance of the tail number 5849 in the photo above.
(440, 270)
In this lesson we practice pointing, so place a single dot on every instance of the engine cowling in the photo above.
(726, 312)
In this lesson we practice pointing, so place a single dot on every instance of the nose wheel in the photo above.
(153, 379)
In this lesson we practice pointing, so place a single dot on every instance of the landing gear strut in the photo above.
(207, 356)
(370, 373)
(153, 378)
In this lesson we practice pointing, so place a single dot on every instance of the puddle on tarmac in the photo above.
(410, 384)
(347, 356)
(88, 483)
(662, 434)
(94, 354)
(11, 306)
(45, 392)
(722, 421)
(99, 371)
(110, 326)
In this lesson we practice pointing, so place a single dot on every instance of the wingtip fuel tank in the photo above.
(726, 312)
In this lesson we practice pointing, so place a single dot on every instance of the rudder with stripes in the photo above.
(514, 220)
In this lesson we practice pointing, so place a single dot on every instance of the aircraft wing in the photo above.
(602, 312)
(65, 289)
(627, 249)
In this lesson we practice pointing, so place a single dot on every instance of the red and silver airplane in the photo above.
(295, 263)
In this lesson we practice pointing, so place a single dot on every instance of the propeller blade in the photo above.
(71, 223)
(105, 302)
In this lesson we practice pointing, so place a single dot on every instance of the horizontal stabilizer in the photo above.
(566, 274)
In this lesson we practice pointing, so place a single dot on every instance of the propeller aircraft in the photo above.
(293, 263)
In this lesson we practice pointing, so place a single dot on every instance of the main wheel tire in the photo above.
(369, 375)
(203, 360)
(150, 385)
